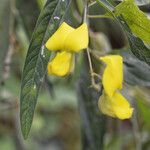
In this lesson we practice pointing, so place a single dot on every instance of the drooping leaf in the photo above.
(142, 52)
(41, 3)
(4, 32)
(137, 20)
(136, 72)
(137, 46)
(37, 59)
(107, 5)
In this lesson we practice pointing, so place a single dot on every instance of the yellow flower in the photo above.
(70, 41)
(112, 102)
(62, 64)
(113, 74)
(116, 106)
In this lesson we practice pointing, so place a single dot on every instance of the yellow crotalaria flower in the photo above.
(113, 74)
(62, 64)
(112, 103)
(116, 106)
(78, 39)
(67, 38)
(56, 41)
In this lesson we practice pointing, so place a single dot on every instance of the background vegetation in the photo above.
(67, 115)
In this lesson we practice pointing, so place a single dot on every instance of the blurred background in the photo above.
(67, 115)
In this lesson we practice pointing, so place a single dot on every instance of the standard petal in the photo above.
(116, 106)
(113, 74)
(62, 64)
(77, 40)
(56, 41)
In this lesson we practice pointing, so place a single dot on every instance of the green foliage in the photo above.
(57, 123)
(37, 59)
(125, 13)
(138, 48)
(135, 18)
(41, 3)
(136, 72)
(105, 4)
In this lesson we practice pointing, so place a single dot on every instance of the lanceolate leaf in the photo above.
(138, 48)
(37, 58)
(136, 72)
(105, 4)
(136, 26)
(135, 18)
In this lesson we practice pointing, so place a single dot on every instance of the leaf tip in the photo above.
(25, 127)
(25, 132)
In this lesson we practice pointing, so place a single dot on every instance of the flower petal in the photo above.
(116, 106)
(121, 106)
(62, 64)
(78, 39)
(56, 41)
(69, 39)
(113, 74)
(105, 105)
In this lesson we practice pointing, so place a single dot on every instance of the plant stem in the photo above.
(99, 16)
(94, 85)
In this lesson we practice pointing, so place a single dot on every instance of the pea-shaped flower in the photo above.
(112, 78)
(112, 102)
(116, 106)
(68, 41)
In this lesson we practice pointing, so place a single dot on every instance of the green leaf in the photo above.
(135, 19)
(41, 3)
(105, 4)
(37, 59)
(136, 72)
(138, 48)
